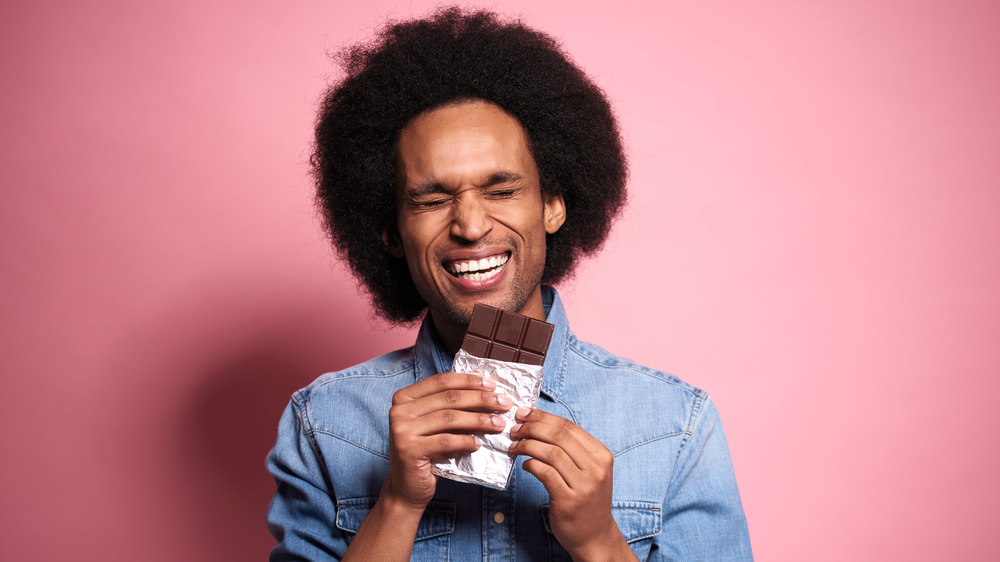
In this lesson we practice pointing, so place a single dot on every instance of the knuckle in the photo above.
(448, 416)
(441, 381)
(561, 435)
(565, 424)
(601, 475)
(451, 396)
(449, 442)
(403, 444)
(395, 415)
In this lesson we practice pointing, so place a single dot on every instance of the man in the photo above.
(464, 159)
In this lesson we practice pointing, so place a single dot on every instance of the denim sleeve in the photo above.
(703, 517)
(302, 512)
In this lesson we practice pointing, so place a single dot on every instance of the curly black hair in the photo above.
(413, 66)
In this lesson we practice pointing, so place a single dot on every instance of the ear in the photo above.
(555, 213)
(391, 241)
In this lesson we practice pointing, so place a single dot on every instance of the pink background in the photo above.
(812, 237)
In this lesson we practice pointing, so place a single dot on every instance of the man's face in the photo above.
(471, 217)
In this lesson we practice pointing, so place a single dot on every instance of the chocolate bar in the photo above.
(505, 336)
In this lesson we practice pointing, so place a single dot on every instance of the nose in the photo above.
(470, 218)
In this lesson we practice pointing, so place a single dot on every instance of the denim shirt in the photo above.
(674, 496)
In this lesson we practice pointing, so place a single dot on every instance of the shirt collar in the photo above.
(430, 357)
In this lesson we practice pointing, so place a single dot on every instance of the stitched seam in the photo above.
(696, 409)
(635, 368)
(368, 503)
(512, 535)
(653, 510)
(484, 524)
(302, 411)
(342, 376)
(346, 440)
(638, 505)
(360, 501)
(571, 412)
(650, 440)
(640, 537)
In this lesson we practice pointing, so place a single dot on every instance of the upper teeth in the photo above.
(479, 265)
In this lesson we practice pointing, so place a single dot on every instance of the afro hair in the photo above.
(413, 66)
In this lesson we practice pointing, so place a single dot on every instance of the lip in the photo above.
(473, 255)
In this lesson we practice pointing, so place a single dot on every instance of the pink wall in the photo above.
(813, 223)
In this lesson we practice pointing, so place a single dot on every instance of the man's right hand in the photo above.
(428, 420)
(433, 419)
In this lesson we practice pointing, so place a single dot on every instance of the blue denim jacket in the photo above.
(674, 498)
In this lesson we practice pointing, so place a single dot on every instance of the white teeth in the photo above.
(478, 270)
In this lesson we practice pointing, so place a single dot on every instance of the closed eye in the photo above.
(430, 203)
(502, 193)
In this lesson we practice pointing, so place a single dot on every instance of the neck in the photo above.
(451, 333)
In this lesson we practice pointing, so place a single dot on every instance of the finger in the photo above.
(590, 463)
(442, 445)
(452, 399)
(550, 478)
(551, 455)
(545, 420)
(566, 436)
(448, 421)
(442, 382)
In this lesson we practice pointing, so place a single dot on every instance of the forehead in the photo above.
(462, 139)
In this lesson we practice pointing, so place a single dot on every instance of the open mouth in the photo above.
(478, 270)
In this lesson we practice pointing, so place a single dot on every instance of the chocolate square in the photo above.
(506, 336)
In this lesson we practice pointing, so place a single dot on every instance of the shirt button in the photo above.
(498, 518)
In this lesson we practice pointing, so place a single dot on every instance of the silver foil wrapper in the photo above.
(491, 464)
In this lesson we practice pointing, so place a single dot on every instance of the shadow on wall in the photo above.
(240, 364)
(228, 429)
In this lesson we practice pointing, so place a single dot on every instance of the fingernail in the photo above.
(523, 412)
(504, 400)
(479, 442)
(489, 384)
(515, 427)
(499, 421)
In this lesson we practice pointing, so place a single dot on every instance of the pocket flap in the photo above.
(438, 519)
(636, 519)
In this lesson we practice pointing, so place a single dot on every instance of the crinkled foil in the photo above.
(490, 465)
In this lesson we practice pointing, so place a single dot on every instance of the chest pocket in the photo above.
(433, 532)
(638, 522)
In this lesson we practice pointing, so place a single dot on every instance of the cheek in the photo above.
(419, 237)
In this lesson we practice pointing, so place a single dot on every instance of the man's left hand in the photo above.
(577, 471)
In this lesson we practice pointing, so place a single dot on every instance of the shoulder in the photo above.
(651, 403)
(375, 372)
(352, 403)
(615, 366)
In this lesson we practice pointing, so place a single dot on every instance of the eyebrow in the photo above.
(435, 187)
(425, 189)
(502, 177)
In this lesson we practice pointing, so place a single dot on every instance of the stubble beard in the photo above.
(517, 297)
